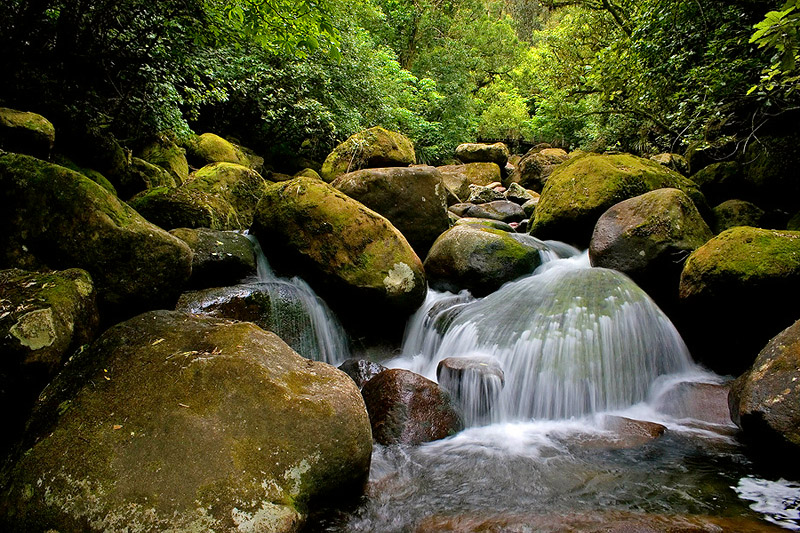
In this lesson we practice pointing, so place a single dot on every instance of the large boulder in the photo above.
(210, 148)
(585, 186)
(54, 217)
(372, 148)
(168, 155)
(534, 169)
(765, 401)
(500, 210)
(483, 153)
(238, 185)
(181, 423)
(141, 176)
(44, 317)
(219, 258)
(184, 207)
(458, 178)
(413, 199)
(732, 213)
(480, 259)
(648, 237)
(406, 408)
(736, 293)
(26, 133)
(352, 256)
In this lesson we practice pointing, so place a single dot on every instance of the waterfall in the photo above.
(572, 340)
(287, 307)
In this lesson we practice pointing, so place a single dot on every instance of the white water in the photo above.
(572, 340)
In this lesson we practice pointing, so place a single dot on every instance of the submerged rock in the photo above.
(706, 402)
(479, 259)
(352, 256)
(735, 292)
(474, 382)
(372, 148)
(220, 258)
(406, 408)
(180, 423)
(580, 190)
(58, 218)
(361, 370)
(413, 199)
(765, 401)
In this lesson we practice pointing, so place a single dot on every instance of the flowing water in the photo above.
(578, 346)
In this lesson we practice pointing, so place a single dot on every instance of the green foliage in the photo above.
(779, 33)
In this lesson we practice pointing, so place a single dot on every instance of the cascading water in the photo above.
(572, 340)
(287, 307)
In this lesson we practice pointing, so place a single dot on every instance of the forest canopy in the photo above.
(291, 78)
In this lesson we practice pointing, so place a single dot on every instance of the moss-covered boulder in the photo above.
(765, 401)
(208, 148)
(90, 173)
(182, 207)
(238, 185)
(732, 213)
(373, 148)
(413, 199)
(175, 422)
(58, 218)
(406, 408)
(458, 178)
(676, 162)
(721, 181)
(26, 133)
(169, 156)
(44, 317)
(737, 292)
(648, 237)
(219, 258)
(535, 167)
(483, 153)
(480, 259)
(352, 256)
(142, 176)
(585, 186)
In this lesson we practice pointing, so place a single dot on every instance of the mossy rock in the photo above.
(175, 422)
(648, 237)
(737, 292)
(307, 173)
(44, 318)
(55, 217)
(483, 153)
(765, 401)
(676, 162)
(142, 176)
(182, 207)
(770, 166)
(586, 185)
(352, 256)
(535, 167)
(458, 178)
(732, 213)
(92, 174)
(26, 133)
(210, 148)
(484, 223)
(480, 259)
(238, 185)
(501, 210)
(219, 258)
(169, 156)
(721, 181)
(413, 199)
(406, 408)
(372, 148)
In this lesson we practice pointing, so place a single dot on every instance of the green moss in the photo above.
(375, 147)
